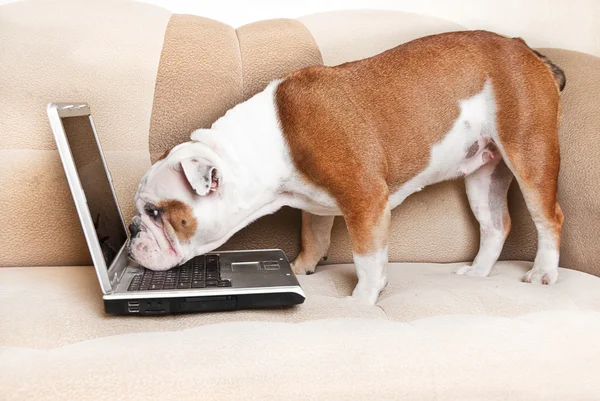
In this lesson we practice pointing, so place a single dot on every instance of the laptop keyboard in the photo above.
(200, 272)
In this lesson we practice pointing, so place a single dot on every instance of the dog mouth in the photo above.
(152, 247)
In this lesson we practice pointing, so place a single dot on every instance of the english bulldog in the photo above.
(356, 140)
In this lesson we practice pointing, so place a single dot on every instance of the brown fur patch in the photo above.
(181, 217)
(369, 229)
(362, 129)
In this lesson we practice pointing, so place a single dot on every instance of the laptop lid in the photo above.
(92, 190)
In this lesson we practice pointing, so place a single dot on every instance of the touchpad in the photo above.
(245, 266)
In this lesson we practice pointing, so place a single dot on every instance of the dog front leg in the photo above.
(369, 231)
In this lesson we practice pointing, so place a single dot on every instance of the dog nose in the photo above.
(134, 230)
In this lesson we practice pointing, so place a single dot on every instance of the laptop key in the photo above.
(183, 286)
(155, 286)
(224, 283)
(211, 283)
(135, 283)
(198, 284)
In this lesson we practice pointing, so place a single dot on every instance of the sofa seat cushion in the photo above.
(432, 335)
(541, 356)
(49, 307)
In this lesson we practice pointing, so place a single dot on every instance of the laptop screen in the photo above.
(96, 186)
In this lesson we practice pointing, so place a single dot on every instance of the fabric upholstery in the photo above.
(208, 67)
(272, 49)
(105, 53)
(151, 77)
(199, 78)
(365, 33)
(36, 227)
(543, 356)
(431, 335)
(435, 225)
(72, 309)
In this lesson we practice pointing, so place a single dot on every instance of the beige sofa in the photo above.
(151, 77)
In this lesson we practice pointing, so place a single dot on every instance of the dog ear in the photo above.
(202, 177)
(200, 135)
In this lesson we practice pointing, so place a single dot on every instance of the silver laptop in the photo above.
(211, 282)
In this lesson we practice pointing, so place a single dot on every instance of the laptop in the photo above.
(216, 281)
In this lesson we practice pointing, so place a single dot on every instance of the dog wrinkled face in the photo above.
(179, 208)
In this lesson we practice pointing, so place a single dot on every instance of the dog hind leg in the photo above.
(530, 148)
(487, 190)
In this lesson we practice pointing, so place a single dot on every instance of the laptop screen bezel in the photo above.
(107, 275)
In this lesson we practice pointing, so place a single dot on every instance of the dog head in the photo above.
(183, 207)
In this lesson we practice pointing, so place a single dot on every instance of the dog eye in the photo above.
(152, 211)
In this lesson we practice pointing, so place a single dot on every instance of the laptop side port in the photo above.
(155, 307)
(133, 306)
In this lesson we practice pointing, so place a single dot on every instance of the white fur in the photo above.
(476, 119)
(545, 266)
(247, 148)
(491, 237)
(371, 270)
(251, 143)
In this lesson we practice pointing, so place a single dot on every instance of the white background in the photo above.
(570, 24)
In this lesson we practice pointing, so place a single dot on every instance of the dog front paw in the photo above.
(367, 294)
(472, 270)
(362, 299)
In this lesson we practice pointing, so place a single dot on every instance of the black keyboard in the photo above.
(200, 272)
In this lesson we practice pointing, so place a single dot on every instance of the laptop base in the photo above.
(163, 306)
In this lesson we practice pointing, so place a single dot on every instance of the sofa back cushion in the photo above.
(151, 77)
(103, 53)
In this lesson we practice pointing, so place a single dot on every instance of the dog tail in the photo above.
(557, 72)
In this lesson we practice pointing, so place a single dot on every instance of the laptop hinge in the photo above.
(117, 269)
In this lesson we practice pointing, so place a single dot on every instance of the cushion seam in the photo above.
(242, 83)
